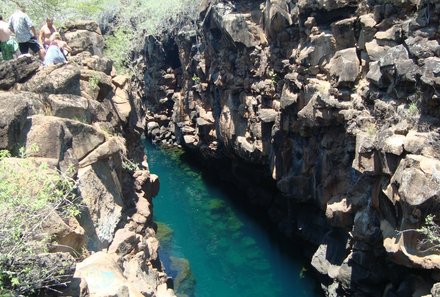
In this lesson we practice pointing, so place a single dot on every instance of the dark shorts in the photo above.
(31, 44)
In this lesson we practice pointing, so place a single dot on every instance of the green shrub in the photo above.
(29, 195)
(137, 19)
(431, 232)
(60, 10)
(413, 110)
(195, 78)
(117, 48)
(93, 82)
(131, 21)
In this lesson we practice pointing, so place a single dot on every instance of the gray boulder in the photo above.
(431, 71)
(56, 79)
(14, 110)
(84, 40)
(101, 192)
(344, 33)
(17, 70)
(345, 66)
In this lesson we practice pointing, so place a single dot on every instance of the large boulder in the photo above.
(101, 192)
(112, 146)
(277, 18)
(14, 110)
(84, 36)
(103, 277)
(344, 33)
(17, 70)
(237, 27)
(53, 137)
(318, 50)
(76, 108)
(98, 83)
(345, 67)
(56, 79)
(431, 71)
(66, 234)
(330, 254)
(415, 181)
(327, 5)
(93, 62)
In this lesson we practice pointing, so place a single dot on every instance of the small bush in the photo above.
(137, 19)
(413, 110)
(196, 79)
(117, 48)
(93, 82)
(431, 232)
(29, 195)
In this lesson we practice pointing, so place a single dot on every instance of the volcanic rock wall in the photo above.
(339, 102)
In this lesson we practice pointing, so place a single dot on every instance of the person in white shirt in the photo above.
(22, 26)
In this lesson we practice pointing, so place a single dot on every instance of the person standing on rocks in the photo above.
(46, 32)
(22, 26)
(8, 46)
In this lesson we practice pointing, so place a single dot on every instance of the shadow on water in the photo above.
(213, 243)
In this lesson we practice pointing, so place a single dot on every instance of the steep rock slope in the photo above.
(73, 117)
(338, 102)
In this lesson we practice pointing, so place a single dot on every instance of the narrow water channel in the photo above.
(210, 246)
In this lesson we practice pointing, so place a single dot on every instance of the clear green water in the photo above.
(212, 248)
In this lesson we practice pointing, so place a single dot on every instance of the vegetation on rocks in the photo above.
(30, 193)
(136, 19)
(60, 10)
(127, 22)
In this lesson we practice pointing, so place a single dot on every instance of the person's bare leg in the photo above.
(42, 54)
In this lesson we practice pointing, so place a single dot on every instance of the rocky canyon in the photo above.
(337, 103)
(326, 113)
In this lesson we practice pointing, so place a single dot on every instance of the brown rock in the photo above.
(98, 79)
(84, 40)
(143, 207)
(416, 180)
(56, 79)
(104, 277)
(14, 110)
(124, 242)
(120, 81)
(17, 70)
(101, 192)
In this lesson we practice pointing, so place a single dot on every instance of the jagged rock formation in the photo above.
(339, 102)
(75, 114)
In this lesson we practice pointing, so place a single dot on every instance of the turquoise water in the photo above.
(210, 247)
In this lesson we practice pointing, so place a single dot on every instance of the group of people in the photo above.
(49, 46)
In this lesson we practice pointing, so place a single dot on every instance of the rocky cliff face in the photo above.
(77, 116)
(338, 102)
